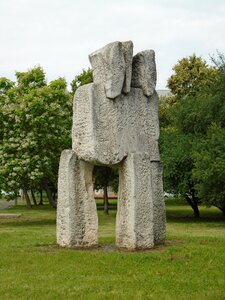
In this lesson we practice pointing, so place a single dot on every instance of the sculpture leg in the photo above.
(77, 221)
(159, 215)
(135, 228)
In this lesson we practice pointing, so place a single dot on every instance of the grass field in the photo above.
(190, 266)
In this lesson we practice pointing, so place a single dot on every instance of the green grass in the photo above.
(189, 266)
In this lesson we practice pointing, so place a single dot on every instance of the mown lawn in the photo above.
(190, 266)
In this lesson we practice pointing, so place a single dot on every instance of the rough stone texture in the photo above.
(159, 215)
(115, 121)
(109, 67)
(134, 227)
(77, 221)
(144, 72)
(127, 48)
(104, 131)
(112, 67)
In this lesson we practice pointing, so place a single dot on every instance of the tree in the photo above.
(103, 178)
(5, 86)
(185, 120)
(208, 151)
(36, 120)
(178, 163)
(191, 74)
(219, 61)
(85, 77)
(209, 171)
(192, 140)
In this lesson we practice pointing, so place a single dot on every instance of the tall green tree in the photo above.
(209, 171)
(36, 120)
(176, 151)
(209, 149)
(198, 102)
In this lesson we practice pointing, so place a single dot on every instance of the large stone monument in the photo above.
(115, 122)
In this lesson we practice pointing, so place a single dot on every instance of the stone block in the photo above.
(112, 67)
(77, 221)
(144, 72)
(134, 227)
(159, 213)
(105, 131)
(127, 48)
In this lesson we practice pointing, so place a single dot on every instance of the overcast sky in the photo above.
(58, 35)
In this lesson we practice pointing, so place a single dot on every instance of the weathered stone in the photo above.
(109, 68)
(77, 221)
(159, 214)
(125, 132)
(135, 228)
(112, 66)
(144, 72)
(104, 131)
(127, 48)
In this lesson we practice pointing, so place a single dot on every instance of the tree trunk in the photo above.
(41, 198)
(33, 197)
(49, 195)
(196, 210)
(27, 198)
(222, 209)
(193, 202)
(106, 200)
(54, 195)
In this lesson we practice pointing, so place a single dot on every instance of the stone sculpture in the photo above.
(115, 122)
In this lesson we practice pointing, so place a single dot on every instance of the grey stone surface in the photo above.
(144, 72)
(134, 227)
(115, 121)
(104, 131)
(109, 68)
(77, 221)
(159, 215)
(127, 48)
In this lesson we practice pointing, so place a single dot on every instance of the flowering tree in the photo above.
(35, 124)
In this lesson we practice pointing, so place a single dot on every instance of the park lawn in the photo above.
(190, 266)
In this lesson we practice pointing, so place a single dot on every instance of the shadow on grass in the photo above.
(183, 216)
(176, 212)
(27, 223)
(23, 208)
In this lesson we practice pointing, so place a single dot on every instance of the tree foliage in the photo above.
(192, 137)
(36, 124)
(209, 171)
(191, 74)
(103, 178)
(85, 77)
